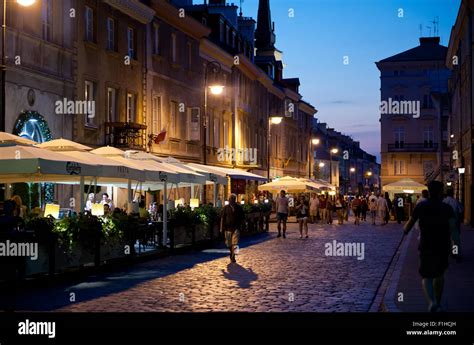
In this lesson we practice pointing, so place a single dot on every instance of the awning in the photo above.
(232, 173)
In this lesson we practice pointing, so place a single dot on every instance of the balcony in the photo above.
(427, 146)
(126, 135)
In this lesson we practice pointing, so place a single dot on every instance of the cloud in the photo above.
(341, 101)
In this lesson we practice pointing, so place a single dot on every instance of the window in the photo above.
(227, 34)
(89, 96)
(399, 167)
(173, 48)
(190, 55)
(131, 43)
(193, 122)
(204, 21)
(131, 107)
(399, 133)
(233, 39)
(221, 31)
(111, 104)
(156, 114)
(226, 133)
(156, 39)
(46, 17)
(89, 25)
(173, 118)
(110, 34)
(428, 136)
(217, 136)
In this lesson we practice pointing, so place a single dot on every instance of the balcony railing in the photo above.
(128, 135)
(427, 146)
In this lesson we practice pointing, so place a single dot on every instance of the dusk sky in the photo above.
(315, 41)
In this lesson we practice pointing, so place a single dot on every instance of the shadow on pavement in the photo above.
(243, 276)
(96, 286)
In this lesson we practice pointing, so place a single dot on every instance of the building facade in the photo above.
(459, 60)
(412, 130)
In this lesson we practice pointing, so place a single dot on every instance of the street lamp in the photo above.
(332, 152)
(461, 184)
(216, 88)
(24, 3)
(314, 141)
(272, 120)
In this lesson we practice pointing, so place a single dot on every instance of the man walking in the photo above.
(382, 208)
(231, 220)
(282, 203)
(313, 208)
(458, 215)
(436, 221)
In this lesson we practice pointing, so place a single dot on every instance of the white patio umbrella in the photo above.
(8, 138)
(63, 145)
(405, 185)
(20, 163)
(288, 184)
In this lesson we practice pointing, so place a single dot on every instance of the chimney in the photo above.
(429, 41)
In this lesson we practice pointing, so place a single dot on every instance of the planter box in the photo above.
(112, 250)
(79, 256)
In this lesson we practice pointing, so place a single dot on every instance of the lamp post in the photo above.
(461, 184)
(331, 152)
(273, 120)
(313, 142)
(368, 174)
(215, 89)
(24, 3)
(351, 172)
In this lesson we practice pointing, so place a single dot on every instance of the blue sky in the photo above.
(315, 41)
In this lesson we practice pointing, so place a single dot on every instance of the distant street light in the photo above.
(332, 152)
(25, 3)
(353, 170)
(273, 120)
(314, 141)
(321, 165)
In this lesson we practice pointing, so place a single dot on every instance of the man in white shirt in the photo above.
(382, 208)
(313, 207)
(282, 212)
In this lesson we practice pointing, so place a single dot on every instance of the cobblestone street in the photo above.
(271, 274)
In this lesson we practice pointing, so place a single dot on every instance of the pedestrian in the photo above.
(231, 221)
(373, 209)
(389, 208)
(458, 214)
(323, 212)
(382, 208)
(437, 222)
(329, 209)
(356, 207)
(400, 209)
(339, 206)
(282, 207)
(364, 207)
(302, 212)
(313, 208)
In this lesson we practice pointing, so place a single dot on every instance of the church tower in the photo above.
(267, 57)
